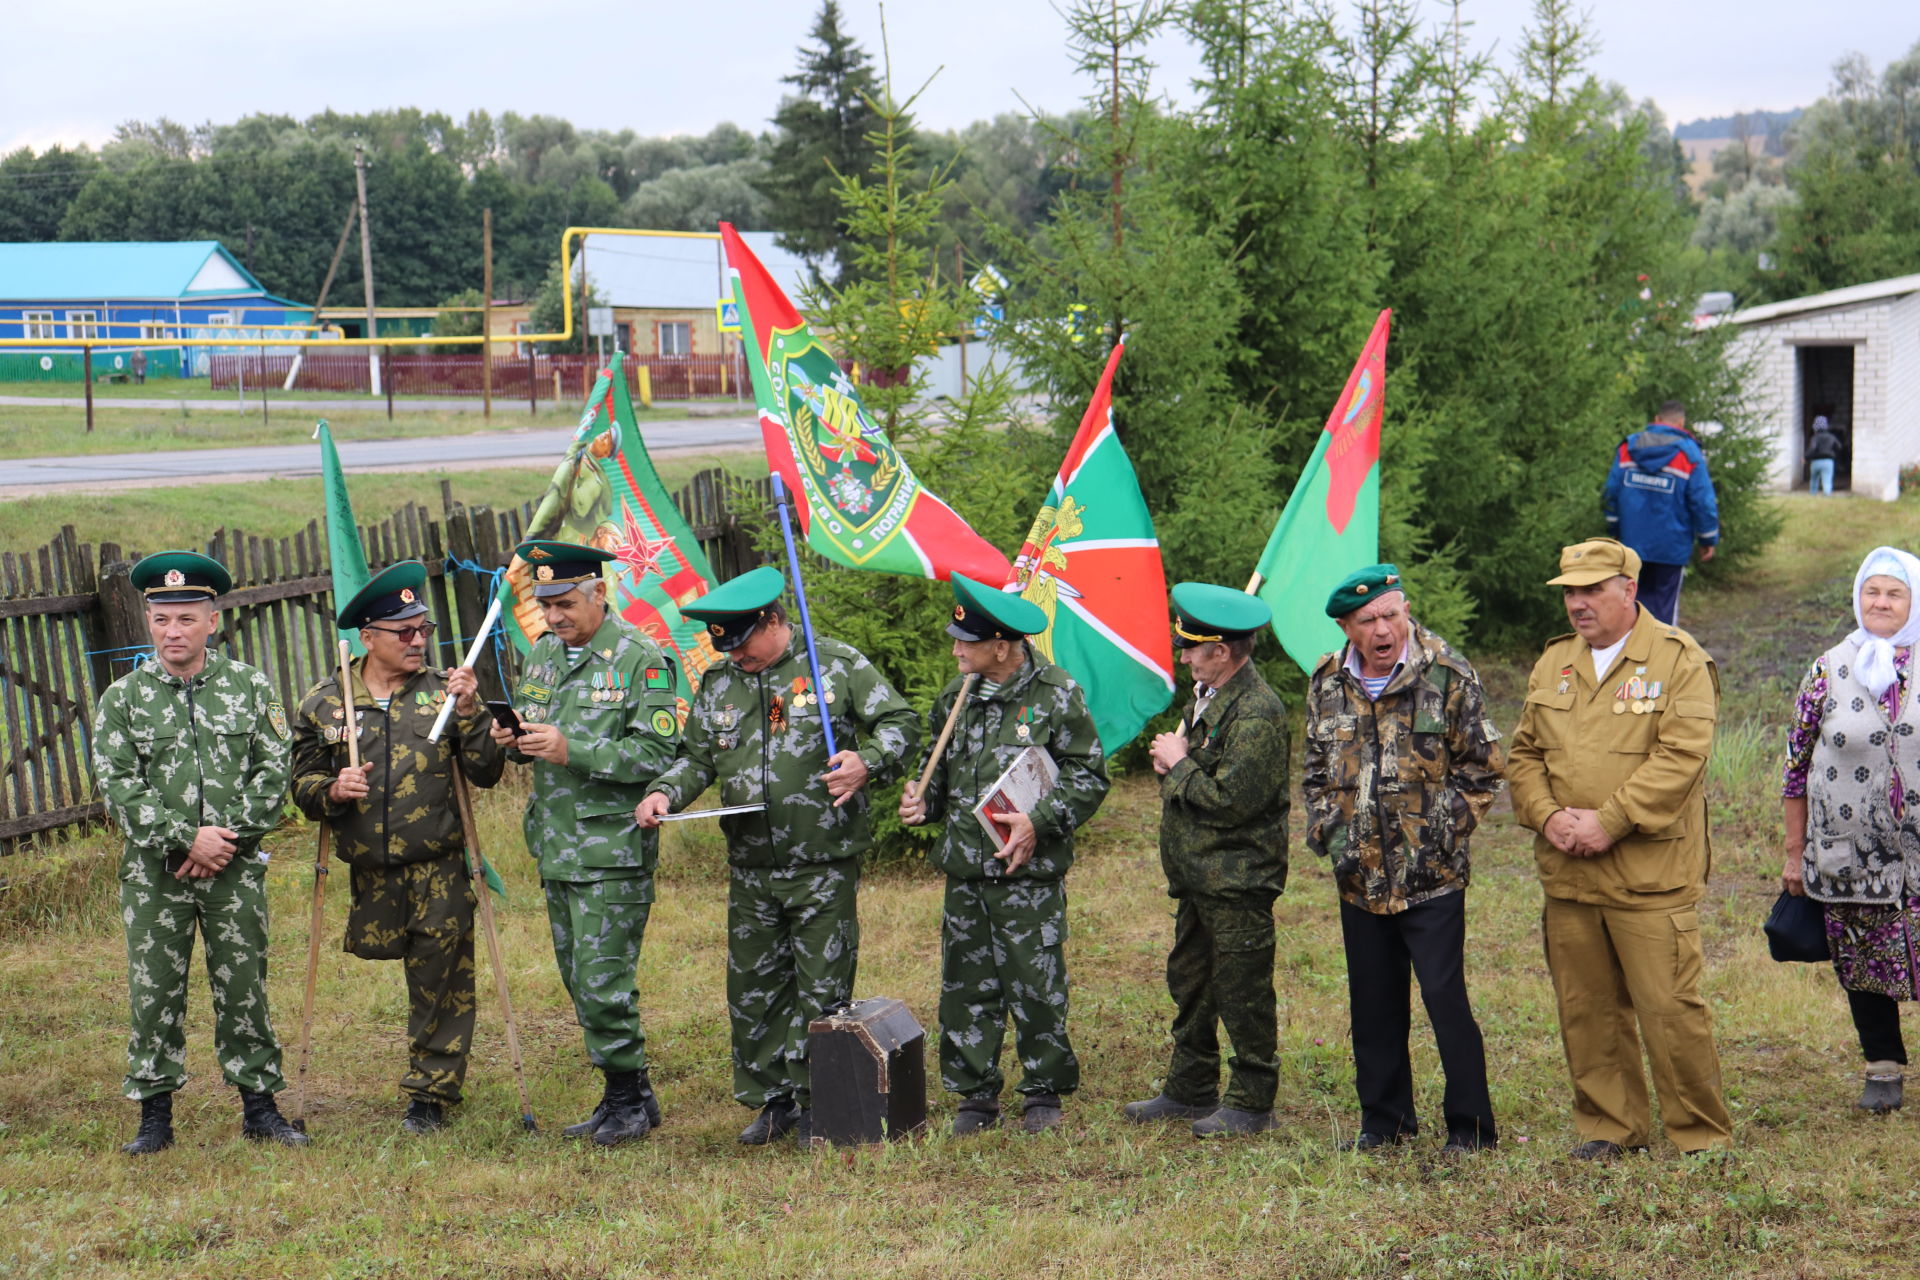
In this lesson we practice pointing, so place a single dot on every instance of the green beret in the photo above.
(733, 609)
(396, 592)
(1362, 587)
(559, 567)
(1204, 614)
(176, 577)
(982, 613)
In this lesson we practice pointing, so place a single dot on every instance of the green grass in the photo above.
(1813, 1189)
(186, 517)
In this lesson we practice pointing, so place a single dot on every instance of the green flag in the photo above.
(1331, 525)
(344, 553)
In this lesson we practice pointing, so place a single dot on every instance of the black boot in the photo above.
(587, 1128)
(261, 1121)
(156, 1126)
(774, 1122)
(626, 1111)
(649, 1101)
(424, 1115)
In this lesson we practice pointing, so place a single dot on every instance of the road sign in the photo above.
(600, 322)
(726, 314)
(988, 283)
(988, 316)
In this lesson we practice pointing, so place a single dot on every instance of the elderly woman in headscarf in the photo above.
(1853, 812)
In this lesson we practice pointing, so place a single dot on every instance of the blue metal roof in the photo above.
(115, 270)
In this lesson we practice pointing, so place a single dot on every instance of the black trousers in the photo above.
(1428, 940)
(1660, 590)
(1877, 1019)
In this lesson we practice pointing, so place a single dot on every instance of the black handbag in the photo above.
(1796, 930)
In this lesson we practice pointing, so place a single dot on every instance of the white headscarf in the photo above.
(1873, 660)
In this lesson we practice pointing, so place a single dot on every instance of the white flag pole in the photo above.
(473, 655)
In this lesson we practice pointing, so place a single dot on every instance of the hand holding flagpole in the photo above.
(487, 625)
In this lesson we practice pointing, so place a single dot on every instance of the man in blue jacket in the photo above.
(1660, 502)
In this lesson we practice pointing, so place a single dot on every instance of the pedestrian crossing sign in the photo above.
(726, 312)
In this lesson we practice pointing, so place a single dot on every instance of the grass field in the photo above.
(1813, 1189)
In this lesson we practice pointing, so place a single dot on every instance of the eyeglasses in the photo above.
(424, 631)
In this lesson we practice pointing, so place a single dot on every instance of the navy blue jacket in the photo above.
(1659, 497)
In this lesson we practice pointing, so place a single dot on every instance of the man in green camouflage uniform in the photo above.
(601, 721)
(1223, 847)
(793, 928)
(190, 754)
(1401, 765)
(396, 823)
(1004, 927)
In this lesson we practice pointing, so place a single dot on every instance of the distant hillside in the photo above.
(1722, 126)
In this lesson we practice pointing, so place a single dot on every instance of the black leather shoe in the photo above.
(1165, 1108)
(1465, 1144)
(1601, 1151)
(774, 1122)
(424, 1115)
(1374, 1142)
(156, 1126)
(586, 1128)
(649, 1101)
(626, 1113)
(261, 1121)
(976, 1115)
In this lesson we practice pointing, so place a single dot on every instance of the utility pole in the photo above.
(486, 314)
(366, 265)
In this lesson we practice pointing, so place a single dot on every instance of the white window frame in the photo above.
(83, 326)
(155, 330)
(663, 327)
(38, 325)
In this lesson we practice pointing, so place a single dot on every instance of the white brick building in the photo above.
(1852, 355)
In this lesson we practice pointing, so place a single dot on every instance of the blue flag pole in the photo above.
(806, 622)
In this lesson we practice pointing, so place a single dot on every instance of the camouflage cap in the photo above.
(177, 577)
(1362, 587)
(398, 591)
(559, 567)
(735, 608)
(982, 613)
(1596, 560)
(1206, 614)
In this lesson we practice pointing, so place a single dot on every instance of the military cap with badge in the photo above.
(1207, 614)
(560, 567)
(734, 610)
(1595, 560)
(180, 577)
(1362, 587)
(982, 613)
(395, 594)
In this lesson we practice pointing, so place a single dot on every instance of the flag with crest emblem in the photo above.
(1092, 564)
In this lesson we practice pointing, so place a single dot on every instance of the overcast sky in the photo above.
(668, 66)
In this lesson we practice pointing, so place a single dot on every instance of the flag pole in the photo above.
(473, 655)
(1253, 583)
(800, 598)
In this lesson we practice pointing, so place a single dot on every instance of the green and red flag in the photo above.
(1092, 564)
(605, 493)
(344, 552)
(1331, 525)
(857, 501)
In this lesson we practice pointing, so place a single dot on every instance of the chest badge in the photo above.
(777, 715)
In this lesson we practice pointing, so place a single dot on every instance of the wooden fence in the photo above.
(71, 623)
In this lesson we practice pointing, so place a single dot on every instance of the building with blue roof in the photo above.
(106, 293)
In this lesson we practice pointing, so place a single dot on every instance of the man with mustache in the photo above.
(396, 822)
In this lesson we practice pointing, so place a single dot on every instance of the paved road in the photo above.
(24, 477)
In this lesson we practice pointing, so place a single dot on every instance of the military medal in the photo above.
(1566, 676)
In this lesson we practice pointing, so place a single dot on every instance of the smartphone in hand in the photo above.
(507, 718)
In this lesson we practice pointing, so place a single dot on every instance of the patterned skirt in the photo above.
(1874, 946)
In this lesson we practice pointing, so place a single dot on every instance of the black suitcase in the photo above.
(869, 1064)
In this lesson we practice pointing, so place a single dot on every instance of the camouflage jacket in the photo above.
(1039, 706)
(760, 735)
(171, 755)
(1394, 787)
(617, 708)
(408, 813)
(1223, 816)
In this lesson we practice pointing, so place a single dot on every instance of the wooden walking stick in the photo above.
(318, 920)
(946, 732)
(463, 797)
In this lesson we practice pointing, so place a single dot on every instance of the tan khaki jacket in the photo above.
(1643, 771)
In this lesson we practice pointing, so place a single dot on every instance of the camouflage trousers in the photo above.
(161, 915)
(1003, 951)
(597, 928)
(1220, 971)
(793, 942)
(422, 915)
